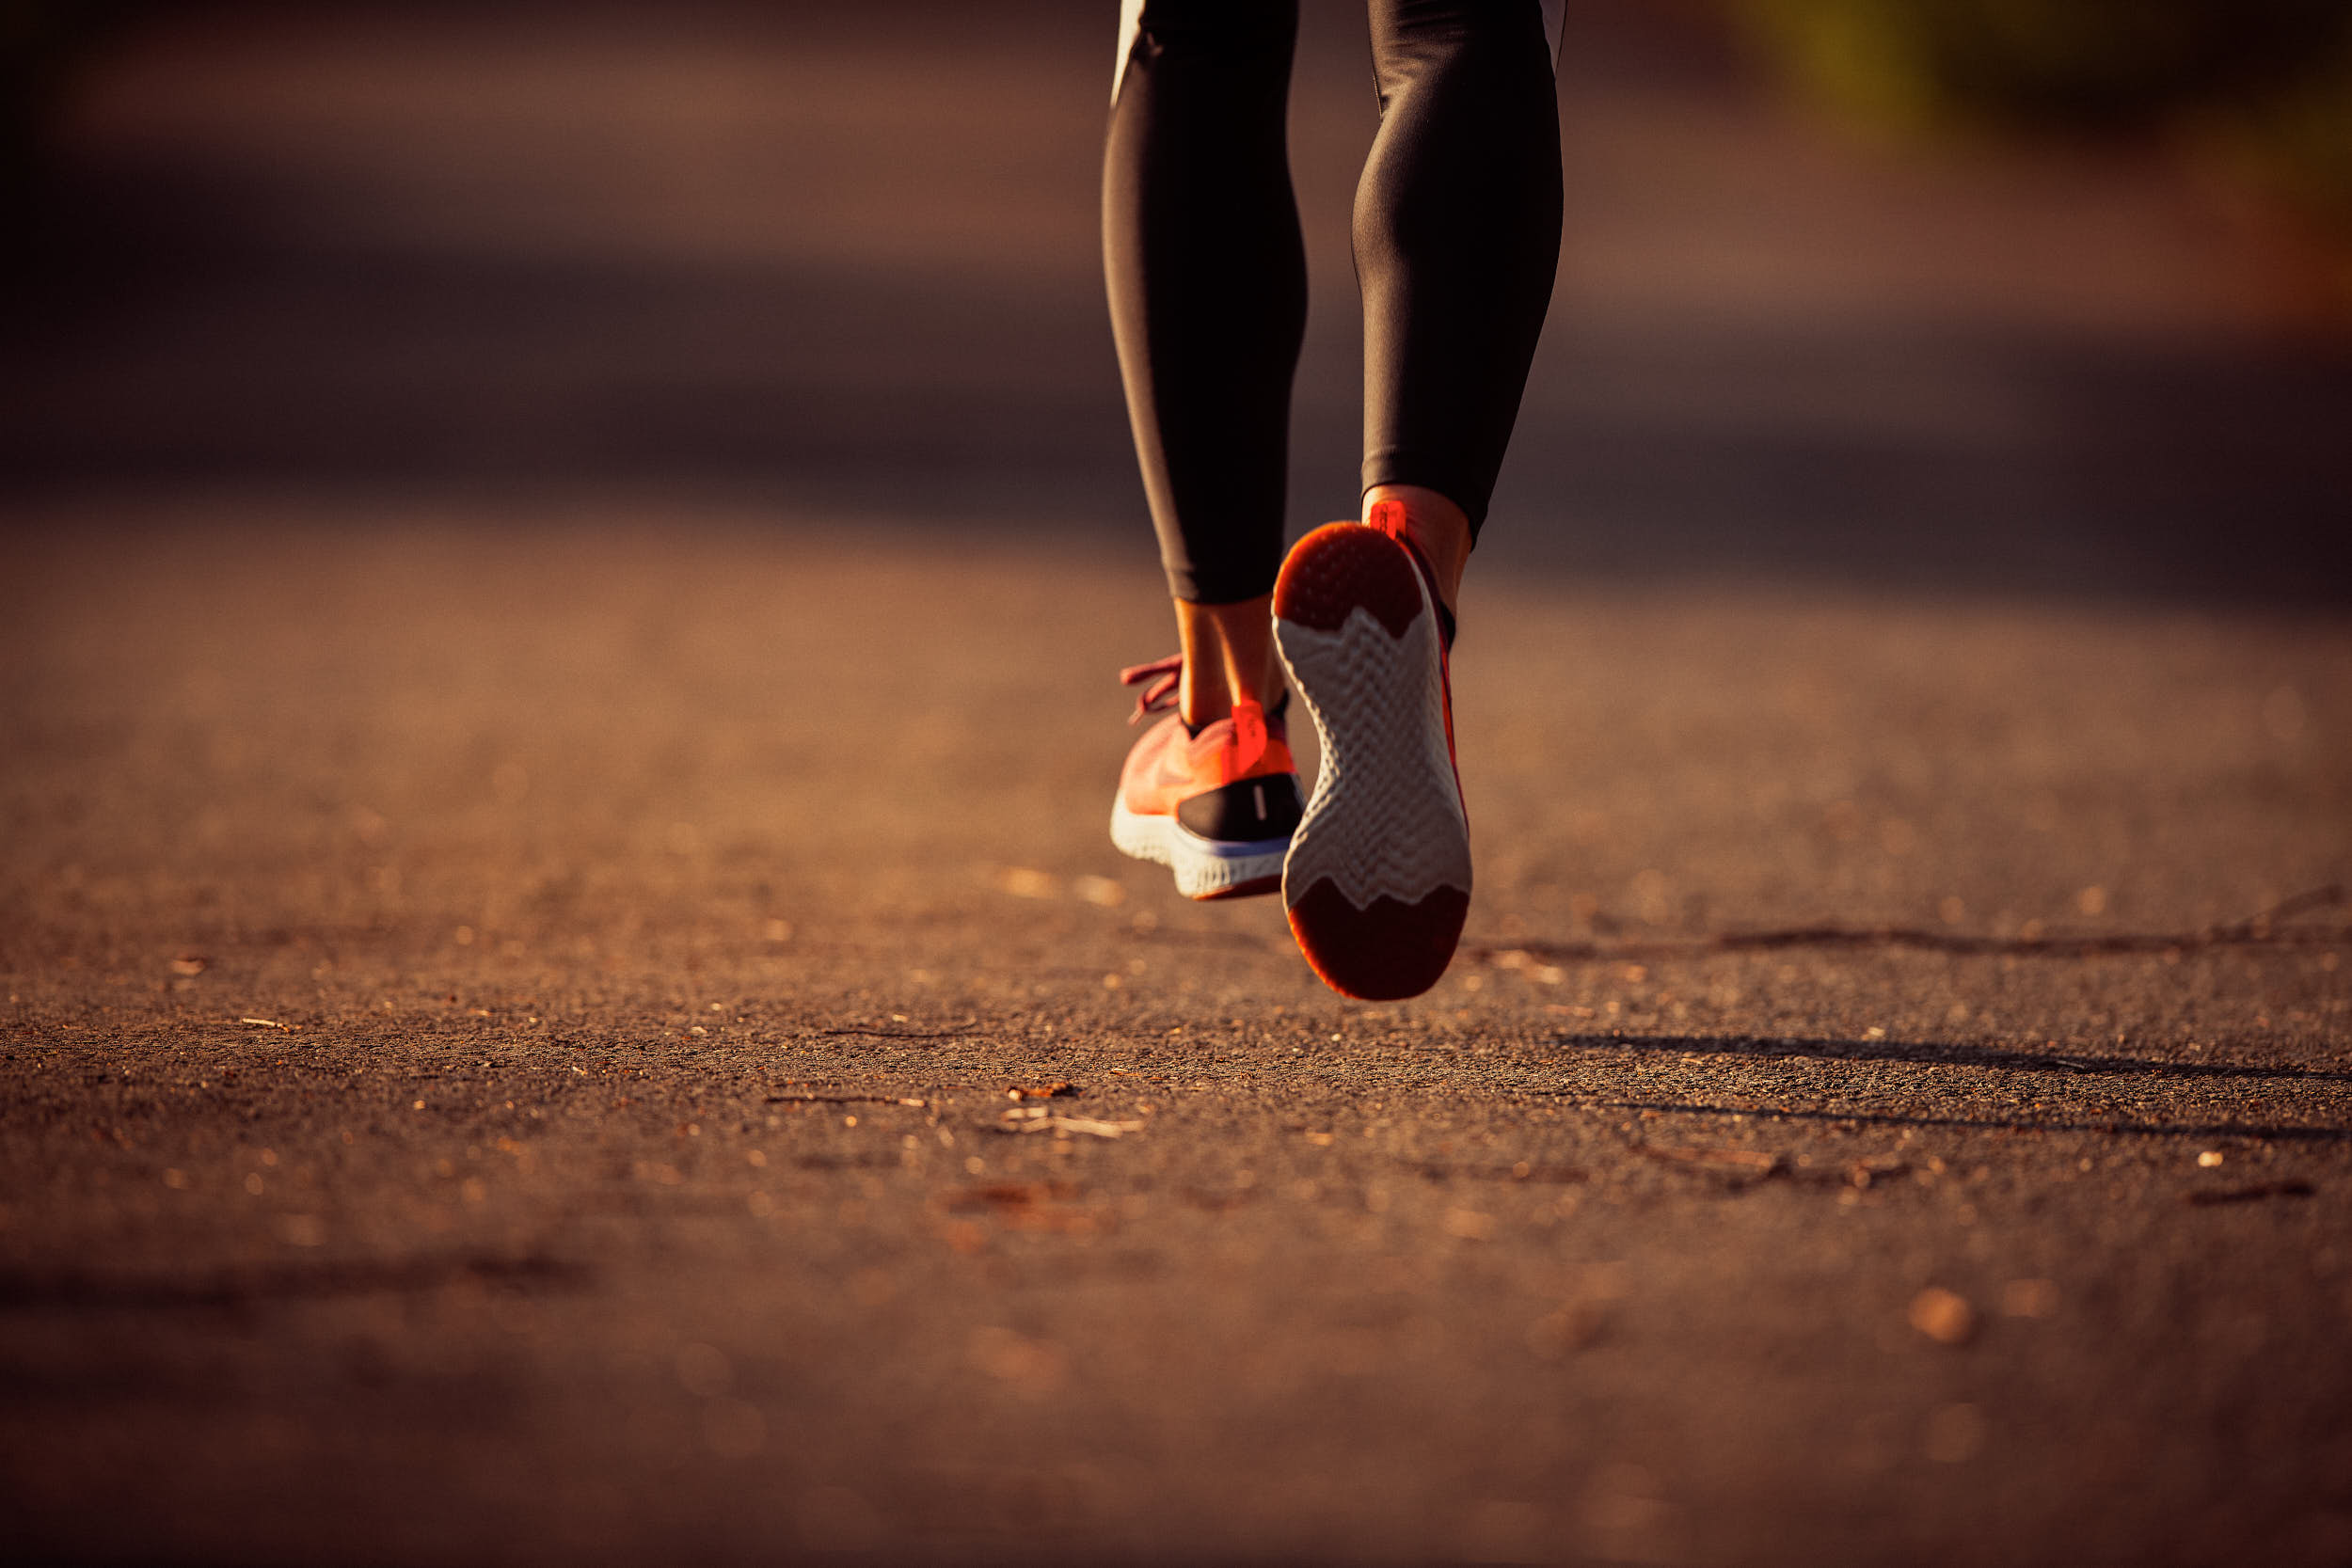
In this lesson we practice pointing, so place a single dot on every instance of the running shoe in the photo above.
(1378, 877)
(1216, 805)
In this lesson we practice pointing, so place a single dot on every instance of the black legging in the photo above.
(1457, 236)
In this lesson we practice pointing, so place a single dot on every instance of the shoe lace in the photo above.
(1253, 722)
(1164, 675)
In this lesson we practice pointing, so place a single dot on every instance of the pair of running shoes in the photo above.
(1375, 866)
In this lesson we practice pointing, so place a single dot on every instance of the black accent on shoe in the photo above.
(1245, 811)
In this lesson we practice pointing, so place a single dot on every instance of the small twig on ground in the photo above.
(1523, 1171)
(900, 1033)
(1037, 1118)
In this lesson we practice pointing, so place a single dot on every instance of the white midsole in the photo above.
(1201, 865)
(1386, 817)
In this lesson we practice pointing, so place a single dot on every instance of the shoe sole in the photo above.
(1206, 868)
(1378, 877)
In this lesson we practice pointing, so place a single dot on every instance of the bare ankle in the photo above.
(1229, 657)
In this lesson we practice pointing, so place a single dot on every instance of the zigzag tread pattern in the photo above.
(1386, 817)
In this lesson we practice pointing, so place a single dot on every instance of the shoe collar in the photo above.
(1390, 518)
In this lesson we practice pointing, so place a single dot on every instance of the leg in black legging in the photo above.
(1457, 238)
(1208, 283)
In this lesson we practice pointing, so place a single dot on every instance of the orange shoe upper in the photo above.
(1170, 765)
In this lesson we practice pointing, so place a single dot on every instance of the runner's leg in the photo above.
(1208, 281)
(1457, 234)
(1208, 295)
(1457, 237)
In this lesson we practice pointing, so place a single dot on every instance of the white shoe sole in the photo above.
(1205, 868)
(1379, 877)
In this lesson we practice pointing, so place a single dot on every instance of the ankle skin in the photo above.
(1229, 655)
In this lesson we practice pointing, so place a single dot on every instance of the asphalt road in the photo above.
(569, 1003)
(510, 1036)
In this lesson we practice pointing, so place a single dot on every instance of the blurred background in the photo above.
(560, 574)
(2043, 296)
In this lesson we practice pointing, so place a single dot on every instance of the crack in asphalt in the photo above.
(2257, 930)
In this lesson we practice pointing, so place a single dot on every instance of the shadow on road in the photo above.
(1944, 1053)
(2288, 1131)
(235, 1289)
